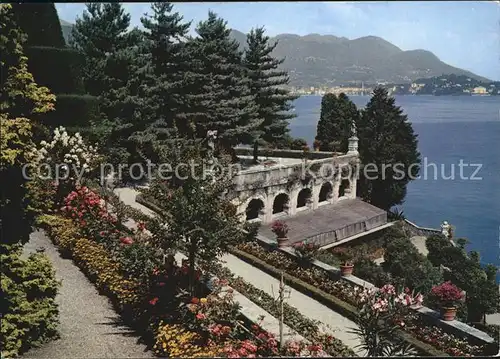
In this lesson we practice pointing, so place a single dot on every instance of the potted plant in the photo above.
(346, 257)
(280, 228)
(449, 295)
(316, 145)
(306, 251)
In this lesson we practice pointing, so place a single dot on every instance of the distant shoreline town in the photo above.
(445, 85)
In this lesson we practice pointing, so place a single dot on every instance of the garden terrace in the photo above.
(328, 287)
(424, 331)
(331, 223)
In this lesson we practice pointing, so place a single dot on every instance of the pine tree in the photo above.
(101, 32)
(386, 140)
(165, 34)
(219, 95)
(273, 101)
(338, 113)
(112, 57)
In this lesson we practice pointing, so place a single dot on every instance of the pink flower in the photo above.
(153, 301)
(200, 316)
(126, 240)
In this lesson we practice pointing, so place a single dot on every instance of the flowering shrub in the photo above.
(68, 158)
(381, 313)
(280, 228)
(69, 150)
(87, 209)
(214, 316)
(448, 294)
(306, 251)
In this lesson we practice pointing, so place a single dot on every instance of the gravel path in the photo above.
(89, 326)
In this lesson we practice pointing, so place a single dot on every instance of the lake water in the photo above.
(449, 129)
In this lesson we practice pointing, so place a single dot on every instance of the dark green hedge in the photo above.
(40, 22)
(57, 68)
(73, 111)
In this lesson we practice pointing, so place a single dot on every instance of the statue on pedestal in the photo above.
(446, 230)
(353, 129)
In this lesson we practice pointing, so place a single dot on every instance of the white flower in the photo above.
(43, 143)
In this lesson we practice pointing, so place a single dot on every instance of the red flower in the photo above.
(200, 316)
(195, 300)
(153, 301)
(126, 240)
(141, 226)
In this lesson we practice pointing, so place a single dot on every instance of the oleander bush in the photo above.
(28, 309)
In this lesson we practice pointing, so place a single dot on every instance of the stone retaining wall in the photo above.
(415, 230)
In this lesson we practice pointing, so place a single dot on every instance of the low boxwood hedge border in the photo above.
(341, 307)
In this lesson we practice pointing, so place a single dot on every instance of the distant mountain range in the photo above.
(317, 60)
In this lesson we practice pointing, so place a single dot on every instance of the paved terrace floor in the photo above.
(326, 218)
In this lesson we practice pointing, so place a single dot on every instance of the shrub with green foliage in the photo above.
(410, 268)
(29, 311)
(371, 272)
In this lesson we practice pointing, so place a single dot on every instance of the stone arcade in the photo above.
(313, 192)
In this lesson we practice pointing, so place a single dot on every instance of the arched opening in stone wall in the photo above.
(304, 197)
(325, 192)
(280, 204)
(254, 209)
(344, 187)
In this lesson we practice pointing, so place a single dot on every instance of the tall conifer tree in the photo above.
(266, 83)
(220, 97)
(387, 140)
(338, 114)
(165, 35)
(111, 54)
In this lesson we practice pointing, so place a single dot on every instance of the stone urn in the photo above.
(448, 313)
(282, 242)
(346, 269)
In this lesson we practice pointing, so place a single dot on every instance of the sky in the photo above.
(464, 34)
